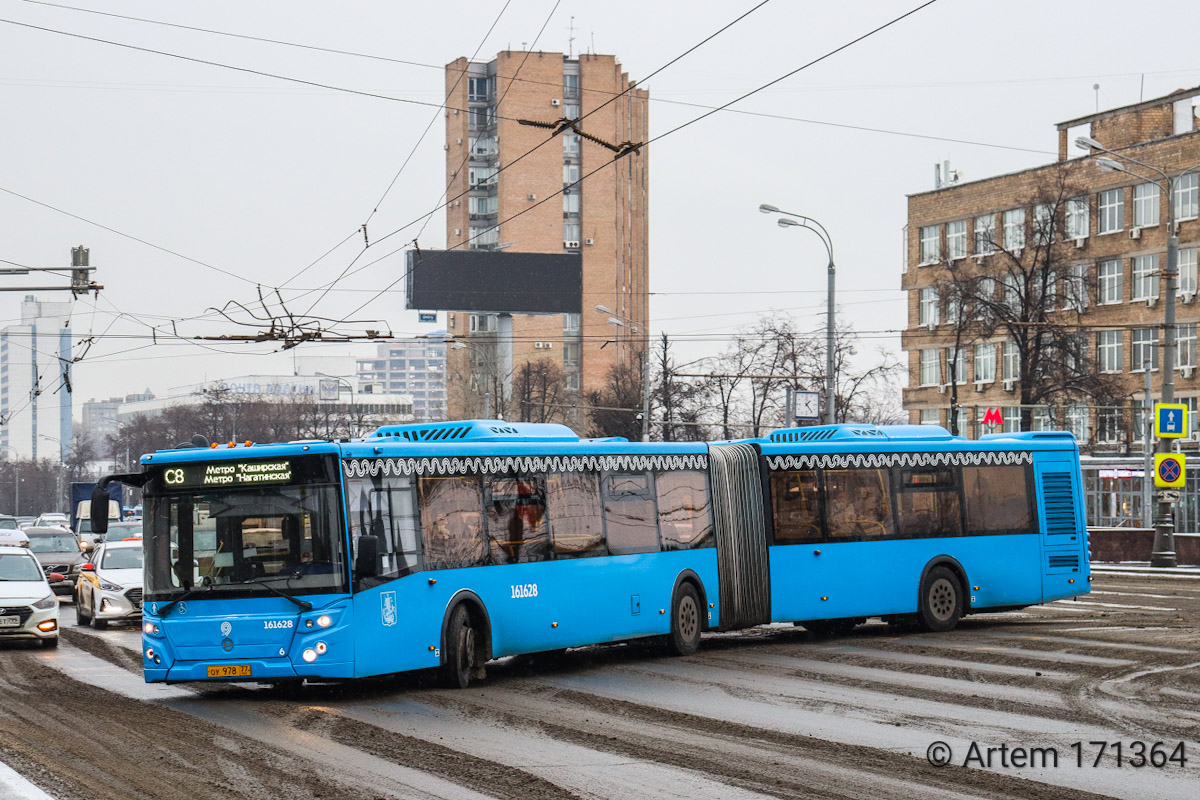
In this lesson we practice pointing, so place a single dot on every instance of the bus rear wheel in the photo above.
(459, 665)
(941, 601)
(685, 622)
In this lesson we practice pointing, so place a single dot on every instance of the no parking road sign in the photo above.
(1168, 470)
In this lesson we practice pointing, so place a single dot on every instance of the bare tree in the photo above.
(1029, 296)
(538, 391)
(680, 402)
(616, 409)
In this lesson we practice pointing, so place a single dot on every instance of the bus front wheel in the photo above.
(460, 666)
(941, 605)
(685, 622)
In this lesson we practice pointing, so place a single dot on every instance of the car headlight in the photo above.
(49, 601)
(109, 587)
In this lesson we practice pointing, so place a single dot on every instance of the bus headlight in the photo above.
(150, 628)
(324, 620)
(321, 648)
(309, 655)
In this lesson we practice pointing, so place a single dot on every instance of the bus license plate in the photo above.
(230, 671)
(10, 622)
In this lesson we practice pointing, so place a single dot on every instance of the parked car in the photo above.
(58, 551)
(110, 585)
(26, 522)
(53, 520)
(8, 523)
(28, 608)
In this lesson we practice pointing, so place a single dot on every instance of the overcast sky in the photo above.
(256, 177)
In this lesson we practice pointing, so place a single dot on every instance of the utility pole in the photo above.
(80, 274)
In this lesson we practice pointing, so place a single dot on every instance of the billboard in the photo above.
(494, 281)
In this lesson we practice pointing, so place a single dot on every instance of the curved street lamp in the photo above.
(621, 321)
(790, 220)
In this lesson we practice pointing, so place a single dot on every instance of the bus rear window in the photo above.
(997, 499)
(927, 502)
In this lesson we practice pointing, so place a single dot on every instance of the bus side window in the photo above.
(452, 522)
(630, 520)
(858, 504)
(927, 501)
(997, 499)
(684, 512)
(574, 510)
(795, 503)
(516, 516)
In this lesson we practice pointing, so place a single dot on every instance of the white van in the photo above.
(83, 519)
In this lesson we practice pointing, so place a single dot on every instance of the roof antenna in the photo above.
(571, 40)
(1096, 88)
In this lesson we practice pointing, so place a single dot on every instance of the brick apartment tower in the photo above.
(1111, 251)
(603, 218)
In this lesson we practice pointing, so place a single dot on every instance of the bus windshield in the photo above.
(233, 541)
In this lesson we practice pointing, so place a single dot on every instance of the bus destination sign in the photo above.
(228, 474)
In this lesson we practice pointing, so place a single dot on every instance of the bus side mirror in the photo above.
(366, 563)
(99, 508)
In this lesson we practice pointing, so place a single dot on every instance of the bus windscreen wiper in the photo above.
(304, 604)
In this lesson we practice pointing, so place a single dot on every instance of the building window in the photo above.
(1050, 295)
(483, 117)
(1012, 419)
(931, 239)
(985, 296)
(482, 206)
(1076, 288)
(570, 173)
(1011, 366)
(1110, 288)
(1145, 277)
(1043, 419)
(481, 323)
(572, 353)
(1187, 271)
(478, 89)
(1043, 224)
(930, 375)
(570, 86)
(985, 235)
(1145, 349)
(571, 381)
(929, 312)
(1077, 422)
(485, 237)
(1187, 197)
(1014, 229)
(571, 110)
(1145, 205)
(931, 416)
(956, 365)
(570, 202)
(956, 240)
(1109, 357)
(1014, 294)
(482, 176)
(1111, 210)
(571, 231)
(1108, 425)
(1077, 218)
(964, 420)
(571, 324)
(483, 146)
(1185, 346)
(985, 363)
(954, 306)
(571, 144)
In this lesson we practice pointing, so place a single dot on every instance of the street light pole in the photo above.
(343, 382)
(620, 321)
(790, 220)
(1163, 554)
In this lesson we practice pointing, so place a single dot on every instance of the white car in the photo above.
(53, 521)
(28, 609)
(110, 585)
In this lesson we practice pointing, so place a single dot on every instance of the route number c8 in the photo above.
(173, 477)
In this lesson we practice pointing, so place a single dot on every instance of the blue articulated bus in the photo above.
(443, 546)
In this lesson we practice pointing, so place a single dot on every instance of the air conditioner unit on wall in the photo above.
(1151, 302)
(1187, 297)
(1080, 242)
(537, 345)
(556, 102)
(979, 386)
(1135, 233)
(931, 326)
(942, 388)
(571, 245)
(589, 240)
(1010, 385)
(1187, 372)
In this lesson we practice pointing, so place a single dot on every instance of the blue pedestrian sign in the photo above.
(1170, 420)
